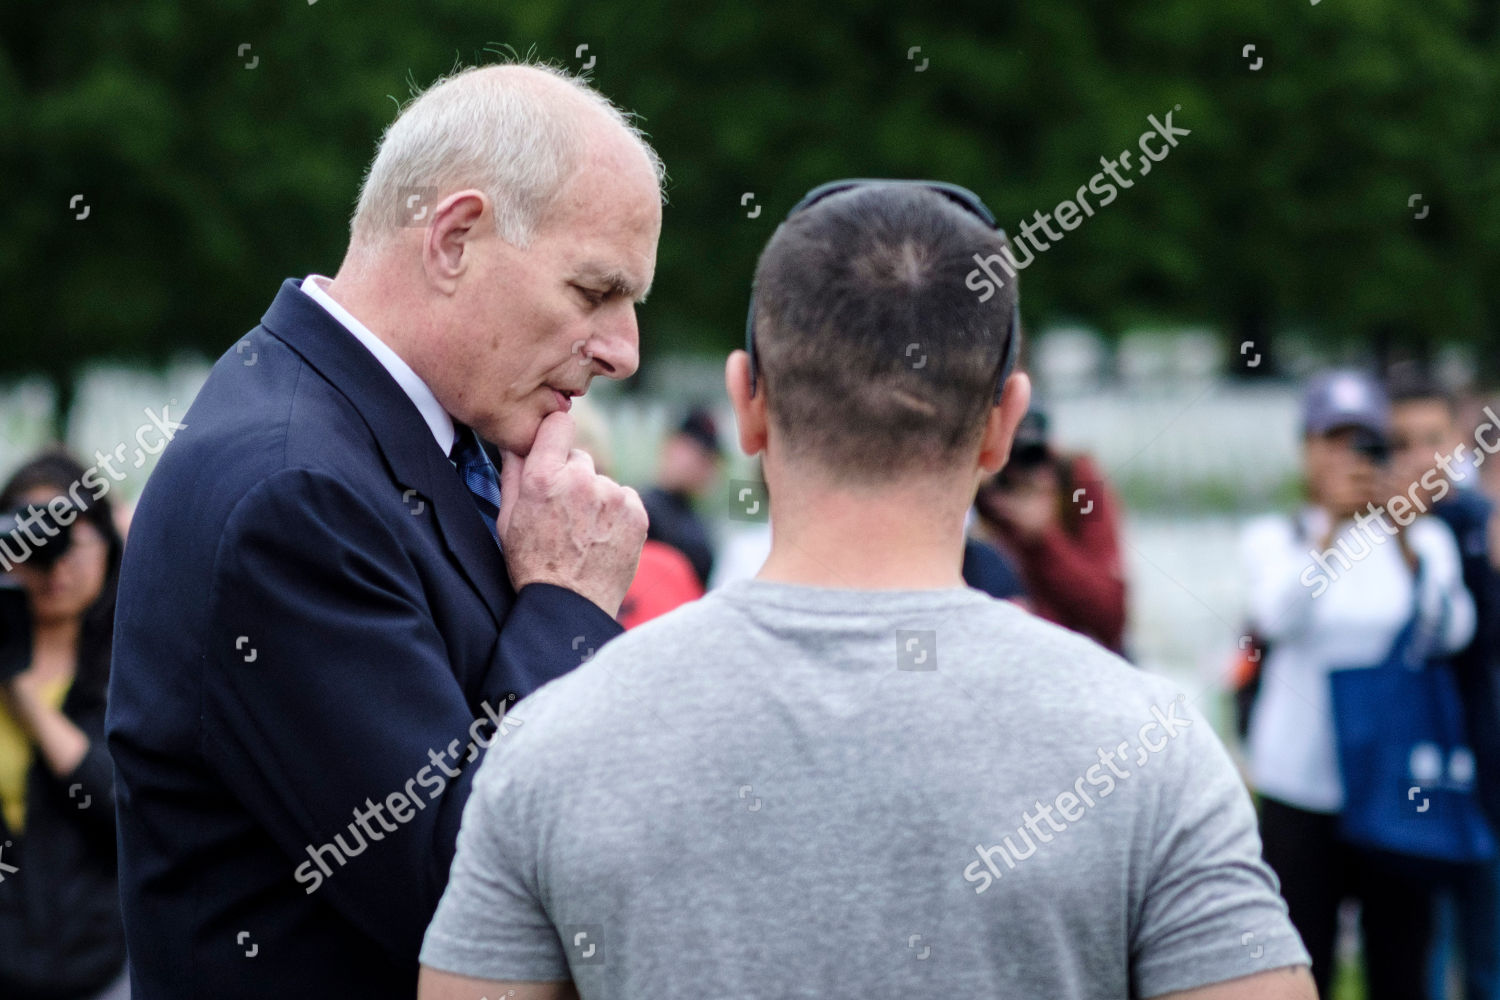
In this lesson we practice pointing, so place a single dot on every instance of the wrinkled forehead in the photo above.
(608, 221)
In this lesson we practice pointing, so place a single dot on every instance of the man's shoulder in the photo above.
(263, 410)
(1463, 509)
(1071, 676)
(986, 642)
(680, 639)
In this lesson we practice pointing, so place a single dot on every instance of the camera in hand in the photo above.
(15, 632)
(1372, 445)
(1029, 450)
(42, 534)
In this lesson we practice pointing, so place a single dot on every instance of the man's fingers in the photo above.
(637, 506)
(582, 458)
(554, 440)
(511, 466)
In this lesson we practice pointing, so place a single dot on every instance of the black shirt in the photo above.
(674, 522)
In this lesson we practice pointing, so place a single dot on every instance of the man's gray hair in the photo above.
(516, 140)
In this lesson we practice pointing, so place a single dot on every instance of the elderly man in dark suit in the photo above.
(330, 596)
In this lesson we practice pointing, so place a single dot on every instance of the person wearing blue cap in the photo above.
(1332, 587)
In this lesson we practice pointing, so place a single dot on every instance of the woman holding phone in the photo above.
(1330, 588)
(60, 928)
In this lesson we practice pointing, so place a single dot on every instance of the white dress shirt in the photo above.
(438, 420)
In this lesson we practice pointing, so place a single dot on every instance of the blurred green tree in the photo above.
(219, 150)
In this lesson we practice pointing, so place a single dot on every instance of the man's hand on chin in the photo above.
(563, 523)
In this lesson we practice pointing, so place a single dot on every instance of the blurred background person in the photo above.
(687, 471)
(1309, 630)
(1052, 513)
(988, 569)
(1425, 430)
(664, 579)
(1488, 482)
(61, 934)
(747, 542)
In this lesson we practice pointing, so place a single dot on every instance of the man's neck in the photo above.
(365, 299)
(890, 541)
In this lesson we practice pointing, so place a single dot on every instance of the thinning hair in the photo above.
(506, 129)
(875, 357)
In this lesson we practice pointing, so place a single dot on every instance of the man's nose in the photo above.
(616, 348)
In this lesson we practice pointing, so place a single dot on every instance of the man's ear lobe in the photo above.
(1004, 418)
(749, 411)
(457, 222)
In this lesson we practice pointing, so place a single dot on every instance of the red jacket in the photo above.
(664, 579)
(1073, 571)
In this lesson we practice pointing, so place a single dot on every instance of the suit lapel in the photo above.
(413, 456)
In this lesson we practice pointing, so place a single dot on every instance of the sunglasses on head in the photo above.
(963, 197)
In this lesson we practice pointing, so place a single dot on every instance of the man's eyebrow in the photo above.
(615, 281)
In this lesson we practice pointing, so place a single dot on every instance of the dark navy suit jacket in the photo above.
(311, 607)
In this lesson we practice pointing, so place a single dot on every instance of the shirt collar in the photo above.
(438, 420)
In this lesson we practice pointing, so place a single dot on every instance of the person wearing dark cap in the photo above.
(686, 470)
(1328, 588)
(1052, 514)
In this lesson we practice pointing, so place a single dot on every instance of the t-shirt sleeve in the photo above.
(1212, 909)
(491, 922)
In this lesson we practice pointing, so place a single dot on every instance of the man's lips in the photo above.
(564, 397)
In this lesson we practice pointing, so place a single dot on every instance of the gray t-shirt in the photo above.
(786, 791)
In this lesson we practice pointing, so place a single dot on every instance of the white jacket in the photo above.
(1320, 612)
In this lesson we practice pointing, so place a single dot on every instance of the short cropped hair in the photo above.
(507, 138)
(875, 356)
(1407, 382)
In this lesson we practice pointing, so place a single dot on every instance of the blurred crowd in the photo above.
(1393, 554)
(1366, 689)
(1392, 559)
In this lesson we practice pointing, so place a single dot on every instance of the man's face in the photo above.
(1420, 430)
(528, 324)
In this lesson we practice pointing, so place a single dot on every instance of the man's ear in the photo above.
(446, 243)
(749, 411)
(1000, 428)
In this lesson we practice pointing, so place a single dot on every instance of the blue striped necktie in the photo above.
(478, 474)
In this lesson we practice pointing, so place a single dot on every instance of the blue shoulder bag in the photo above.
(1407, 765)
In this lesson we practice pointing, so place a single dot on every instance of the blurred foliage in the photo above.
(1286, 208)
